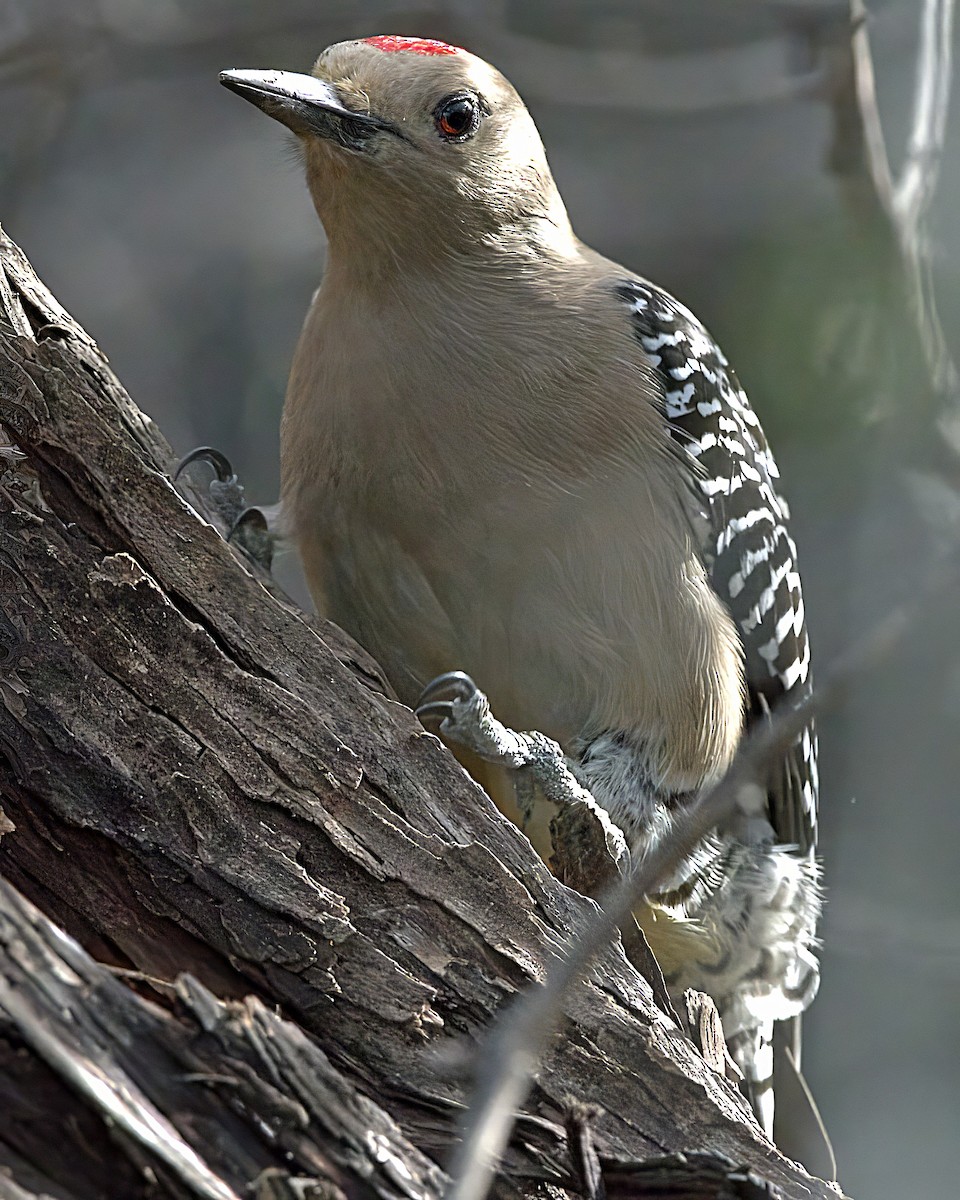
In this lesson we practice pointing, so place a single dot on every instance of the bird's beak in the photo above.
(304, 104)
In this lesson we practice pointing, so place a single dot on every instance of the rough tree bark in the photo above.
(207, 789)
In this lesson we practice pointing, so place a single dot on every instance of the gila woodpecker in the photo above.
(506, 454)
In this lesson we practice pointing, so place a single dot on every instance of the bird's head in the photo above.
(411, 141)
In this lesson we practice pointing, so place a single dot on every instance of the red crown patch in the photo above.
(392, 42)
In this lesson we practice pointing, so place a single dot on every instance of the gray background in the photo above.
(689, 138)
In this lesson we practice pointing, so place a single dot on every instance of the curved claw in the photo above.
(443, 691)
(464, 716)
(215, 458)
(436, 711)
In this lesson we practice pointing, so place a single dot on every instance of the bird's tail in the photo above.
(752, 1050)
(800, 1130)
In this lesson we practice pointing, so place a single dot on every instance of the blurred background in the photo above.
(706, 144)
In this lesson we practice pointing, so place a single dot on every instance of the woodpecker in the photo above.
(505, 454)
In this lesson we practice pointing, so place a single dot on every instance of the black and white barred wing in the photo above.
(746, 542)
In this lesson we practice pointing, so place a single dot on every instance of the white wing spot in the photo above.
(680, 402)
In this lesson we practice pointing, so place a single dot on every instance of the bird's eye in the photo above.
(458, 117)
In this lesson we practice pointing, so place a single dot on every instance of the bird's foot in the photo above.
(589, 850)
(455, 704)
(242, 525)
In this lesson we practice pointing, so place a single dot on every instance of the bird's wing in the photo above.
(744, 532)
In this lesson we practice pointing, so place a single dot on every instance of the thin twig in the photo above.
(815, 1110)
(915, 189)
(861, 161)
(921, 168)
(875, 158)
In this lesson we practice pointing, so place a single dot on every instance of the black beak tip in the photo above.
(229, 79)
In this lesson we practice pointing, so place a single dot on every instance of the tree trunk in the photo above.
(203, 786)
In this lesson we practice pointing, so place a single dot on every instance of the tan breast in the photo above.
(517, 515)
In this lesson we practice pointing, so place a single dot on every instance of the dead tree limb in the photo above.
(200, 780)
(266, 1101)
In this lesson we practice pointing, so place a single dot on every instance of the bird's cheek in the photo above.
(324, 160)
